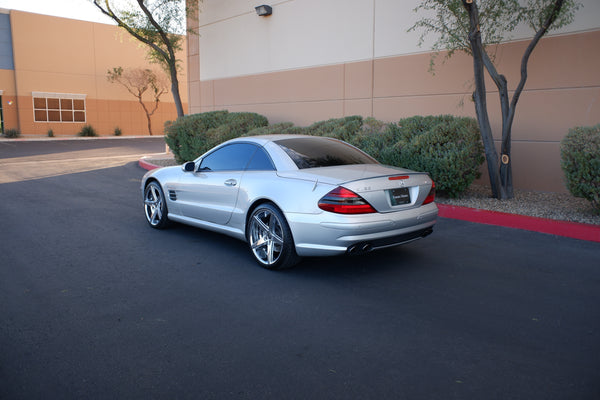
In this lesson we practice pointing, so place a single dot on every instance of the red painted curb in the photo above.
(146, 165)
(554, 227)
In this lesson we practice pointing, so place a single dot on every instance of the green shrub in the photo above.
(282, 128)
(192, 135)
(448, 148)
(118, 131)
(345, 128)
(12, 133)
(373, 137)
(50, 133)
(580, 161)
(87, 131)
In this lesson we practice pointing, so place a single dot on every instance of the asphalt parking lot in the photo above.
(95, 304)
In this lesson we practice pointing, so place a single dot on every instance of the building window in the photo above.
(58, 107)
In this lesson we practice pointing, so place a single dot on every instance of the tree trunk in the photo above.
(480, 100)
(175, 89)
(147, 114)
(500, 173)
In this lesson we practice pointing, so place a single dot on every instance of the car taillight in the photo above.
(431, 196)
(343, 201)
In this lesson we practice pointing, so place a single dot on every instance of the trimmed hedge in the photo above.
(448, 148)
(345, 128)
(580, 161)
(192, 135)
(282, 128)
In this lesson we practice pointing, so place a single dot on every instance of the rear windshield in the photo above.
(315, 152)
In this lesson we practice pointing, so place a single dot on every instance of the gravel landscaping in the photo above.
(559, 206)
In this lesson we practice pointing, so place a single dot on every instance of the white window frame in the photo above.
(59, 96)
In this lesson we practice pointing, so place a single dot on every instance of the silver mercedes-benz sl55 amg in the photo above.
(290, 196)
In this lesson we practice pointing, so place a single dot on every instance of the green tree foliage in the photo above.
(158, 24)
(472, 26)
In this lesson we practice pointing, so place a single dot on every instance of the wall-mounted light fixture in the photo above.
(264, 10)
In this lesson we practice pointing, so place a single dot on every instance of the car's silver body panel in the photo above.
(221, 201)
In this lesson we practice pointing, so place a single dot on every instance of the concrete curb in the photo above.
(146, 164)
(572, 230)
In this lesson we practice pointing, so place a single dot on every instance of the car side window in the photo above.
(260, 162)
(234, 157)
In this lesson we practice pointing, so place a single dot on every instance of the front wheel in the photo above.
(155, 206)
(270, 238)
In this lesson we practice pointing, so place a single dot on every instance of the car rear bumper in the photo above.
(333, 234)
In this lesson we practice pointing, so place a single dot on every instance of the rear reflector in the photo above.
(431, 196)
(343, 201)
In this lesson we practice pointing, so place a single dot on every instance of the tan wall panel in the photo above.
(109, 40)
(557, 62)
(362, 107)
(203, 109)
(194, 95)
(42, 81)
(194, 67)
(409, 75)
(50, 44)
(315, 84)
(536, 166)
(301, 114)
(358, 80)
(7, 82)
(10, 112)
(548, 115)
(394, 108)
(561, 61)
(207, 94)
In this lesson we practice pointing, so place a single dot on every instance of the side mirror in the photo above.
(189, 166)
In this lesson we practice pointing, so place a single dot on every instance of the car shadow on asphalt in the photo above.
(404, 258)
(393, 259)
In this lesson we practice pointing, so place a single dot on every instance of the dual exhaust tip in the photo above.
(365, 247)
(359, 248)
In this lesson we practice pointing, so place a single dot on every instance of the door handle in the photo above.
(230, 182)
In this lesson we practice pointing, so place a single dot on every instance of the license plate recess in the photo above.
(399, 196)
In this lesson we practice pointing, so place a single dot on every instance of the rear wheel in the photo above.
(155, 206)
(270, 238)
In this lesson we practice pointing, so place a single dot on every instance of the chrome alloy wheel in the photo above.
(266, 236)
(154, 206)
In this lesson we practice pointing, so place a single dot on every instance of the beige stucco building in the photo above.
(53, 76)
(318, 59)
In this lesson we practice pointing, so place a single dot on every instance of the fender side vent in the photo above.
(172, 195)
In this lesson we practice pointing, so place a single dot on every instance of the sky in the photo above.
(74, 9)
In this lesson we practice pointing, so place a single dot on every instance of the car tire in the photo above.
(270, 238)
(155, 206)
